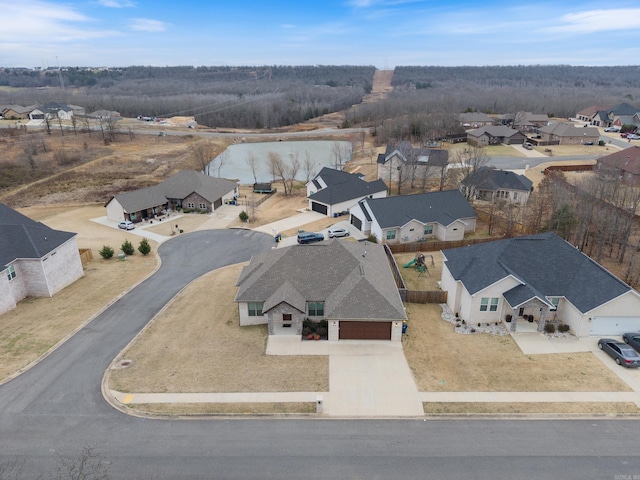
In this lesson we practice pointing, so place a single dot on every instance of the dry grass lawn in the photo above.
(225, 408)
(37, 324)
(197, 345)
(428, 281)
(442, 360)
(592, 408)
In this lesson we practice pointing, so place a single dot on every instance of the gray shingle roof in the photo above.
(21, 237)
(567, 129)
(440, 207)
(179, 186)
(343, 186)
(353, 285)
(494, 131)
(545, 263)
(493, 179)
(410, 155)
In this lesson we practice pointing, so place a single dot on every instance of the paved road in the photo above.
(57, 407)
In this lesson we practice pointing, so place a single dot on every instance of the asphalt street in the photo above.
(57, 408)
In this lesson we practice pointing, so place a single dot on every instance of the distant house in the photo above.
(403, 161)
(186, 189)
(537, 278)
(624, 163)
(566, 133)
(105, 115)
(35, 260)
(335, 191)
(495, 135)
(527, 121)
(15, 112)
(475, 120)
(52, 110)
(492, 184)
(348, 284)
(600, 116)
(442, 215)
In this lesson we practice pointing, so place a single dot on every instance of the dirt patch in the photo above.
(442, 360)
(197, 345)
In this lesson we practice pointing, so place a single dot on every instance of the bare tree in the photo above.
(278, 169)
(201, 154)
(308, 167)
(252, 162)
(292, 171)
(220, 161)
(466, 171)
(341, 152)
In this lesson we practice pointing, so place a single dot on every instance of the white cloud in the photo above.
(116, 3)
(598, 21)
(148, 25)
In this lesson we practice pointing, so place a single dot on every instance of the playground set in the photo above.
(419, 264)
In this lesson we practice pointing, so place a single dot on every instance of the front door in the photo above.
(286, 320)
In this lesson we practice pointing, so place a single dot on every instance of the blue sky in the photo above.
(384, 33)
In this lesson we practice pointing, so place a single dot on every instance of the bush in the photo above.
(106, 252)
(563, 328)
(127, 248)
(243, 216)
(144, 248)
(549, 328)
(372, 238)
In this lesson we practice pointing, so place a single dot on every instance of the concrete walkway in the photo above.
(288, 223)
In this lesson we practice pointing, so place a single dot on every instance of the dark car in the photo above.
(633, 340)
(622, 353)
(310, 237)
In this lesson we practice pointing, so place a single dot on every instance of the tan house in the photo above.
(566, 133)
(495, 135)
(624, 164)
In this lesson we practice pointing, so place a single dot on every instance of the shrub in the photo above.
(106, 252)
(144, 248)
(127, 248)
(372, 238)
(549, 328)
(243, 216)
(563, 328)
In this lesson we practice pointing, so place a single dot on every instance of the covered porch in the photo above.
(524, 312)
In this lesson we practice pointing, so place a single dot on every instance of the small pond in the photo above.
(321, 152)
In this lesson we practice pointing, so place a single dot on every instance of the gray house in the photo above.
(442, 215)
(414, 165)
(495, 135)
(348, 284)
(35, 260)
(187, 189)
(334, 191)
(492, 184)
(538, 278)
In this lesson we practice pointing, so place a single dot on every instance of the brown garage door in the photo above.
(365, 330)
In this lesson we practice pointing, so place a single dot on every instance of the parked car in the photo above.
(126, 225)
(310, 237)
(624, 134)
(622, 353)
(527, 145)
(338, 232)
(633, 340)
(633, 136)
(612, 129)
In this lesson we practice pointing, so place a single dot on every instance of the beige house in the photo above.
(566, 133)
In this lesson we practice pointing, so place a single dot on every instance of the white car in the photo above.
(126, 225)
(527, 145)
(612, 129)
(337, 232)
(633, 136)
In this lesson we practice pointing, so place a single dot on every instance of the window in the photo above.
(316, 309)
(255, 309)
(191, 205)
(489, 304)
(391, 234)
(203, 206)
(554, 302)
(428, 229)
(11, 273)
(515, 195)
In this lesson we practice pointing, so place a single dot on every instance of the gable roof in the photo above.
(353, 279)
(443, 207)
(568, 129)
(591, 111)
(623, 109)
(343, 186)
(494, 131)
(21, 237)
(179, 186)
(494, 179)
(546, 264)
(471, 117)
(411, 156)
(627, 160)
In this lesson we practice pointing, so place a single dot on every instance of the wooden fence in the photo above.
(85, 255)
(423, 296)
(397, 276)
(434, 246)
(570, 168)
(263, 197)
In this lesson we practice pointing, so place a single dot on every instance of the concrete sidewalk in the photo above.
(289, 223)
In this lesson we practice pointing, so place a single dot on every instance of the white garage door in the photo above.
(614, 325)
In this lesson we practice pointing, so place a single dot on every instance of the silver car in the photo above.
(338, 232)
(622, 353)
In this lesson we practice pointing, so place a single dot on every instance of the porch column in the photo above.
(270, 322)
(543, 318)
(514, 323)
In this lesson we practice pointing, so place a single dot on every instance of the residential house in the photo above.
(35, 260)
(15, 112)
(475, 120)
(495, 135)
(587, 114)
(186, 189)
(403, 161)
(527, 121)
(540, 278)
(51, 111)
(333, 192)
(566, 133)
(493, 184)
(444, 215)
(349, 284)
(624, 163)
(607, 116)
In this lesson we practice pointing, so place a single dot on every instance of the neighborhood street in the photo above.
(57, 408)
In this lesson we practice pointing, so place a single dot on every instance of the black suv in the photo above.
(310, 237)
